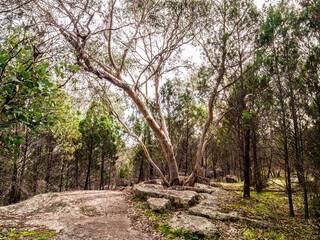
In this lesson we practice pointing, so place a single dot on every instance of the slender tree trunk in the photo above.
(13, 195)
(246, 164)
(23, 165)
(149, 142)
(86, 185)
(257, 174)
(288, 180)
(141, 175)
(270, 162)
(77, 170)
(48, 168)
(298, 158)
(102, 172)
(110, 168)
(67, 176)
(35, 170)
(61, 176)
(285, 143)
(187, 147)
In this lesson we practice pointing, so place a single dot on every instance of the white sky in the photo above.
(259, 3)
(191, 53)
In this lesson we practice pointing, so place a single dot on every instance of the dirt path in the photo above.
(74, 215)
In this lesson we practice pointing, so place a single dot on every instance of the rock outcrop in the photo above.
(160, 205)
(232, 179)
(194, 225)
(73, 216)
(177, 198)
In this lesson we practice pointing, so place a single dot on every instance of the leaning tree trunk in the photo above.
(161, 135)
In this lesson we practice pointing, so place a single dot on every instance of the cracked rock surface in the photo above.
(74, 215)
(194, 224)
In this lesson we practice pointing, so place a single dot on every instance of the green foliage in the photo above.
(315, 205)
(135, 198)
(98, 129)
(26, 91)
(123, 172)
(136, 158)
(246, 117)
(66, 131)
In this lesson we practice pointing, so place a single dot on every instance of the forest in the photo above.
(101, 94)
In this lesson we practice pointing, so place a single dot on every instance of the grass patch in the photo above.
(255, 233)
(171, 233)
(142, 209)
(273, 207)
(136, 199)
(35, 235)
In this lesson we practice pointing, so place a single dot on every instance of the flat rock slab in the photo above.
(177, 198)
(194, 224)
(213, 213)
(159, 204)
(220, 192)
(209, 208)
(209, 200)
(74, 215)
(198, 187)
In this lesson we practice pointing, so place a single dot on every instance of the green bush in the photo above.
(123, 172)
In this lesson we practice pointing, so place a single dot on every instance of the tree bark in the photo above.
(101, 172)
(61, 176)
(298, 157)
(246, 164)
(187, 145)
(86, 185)
(285, 143)
(258, 181)
(13, 195)
(48, 168)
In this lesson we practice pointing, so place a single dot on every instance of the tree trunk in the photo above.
(187, 145)
(35, 170)
(285, 142)
(86, 185)
(258, 181)
(61, 176)
(270, 162)
(298, 158)
(164, 140)
(67, 177)
(149, 142)
(13, 195)
(77, 170)
(23, 165)
(102, 172)
(246, 164)
(109, 180)
(48, 168)
(141, 173)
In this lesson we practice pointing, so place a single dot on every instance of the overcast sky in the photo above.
(259, 3)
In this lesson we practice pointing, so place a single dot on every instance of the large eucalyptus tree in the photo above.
(129, 44)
